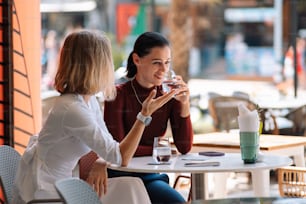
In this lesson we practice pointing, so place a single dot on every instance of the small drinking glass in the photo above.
(169, 81)
(161, 150)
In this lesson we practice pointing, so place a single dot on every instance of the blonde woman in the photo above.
(75, 125)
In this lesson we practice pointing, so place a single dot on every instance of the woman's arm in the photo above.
(130, 143)
(181, 129)
(180, 118)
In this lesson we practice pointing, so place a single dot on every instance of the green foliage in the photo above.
(117, 51)
(118, 56)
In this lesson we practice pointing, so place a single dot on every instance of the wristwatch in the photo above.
(145, 119)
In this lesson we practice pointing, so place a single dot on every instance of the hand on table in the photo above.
(97, 177)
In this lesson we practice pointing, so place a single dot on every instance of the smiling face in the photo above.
(151, 68)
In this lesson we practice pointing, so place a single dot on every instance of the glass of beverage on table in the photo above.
(161, 150)
(169, 81)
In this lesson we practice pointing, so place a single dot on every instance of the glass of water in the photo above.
(169, 81)
(161, 150)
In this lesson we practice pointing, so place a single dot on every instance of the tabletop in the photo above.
(231, 140)
(230, 162)
(255, 200)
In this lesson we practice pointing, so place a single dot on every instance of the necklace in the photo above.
(136, 93)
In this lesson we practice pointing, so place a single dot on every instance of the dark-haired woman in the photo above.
(146, 67)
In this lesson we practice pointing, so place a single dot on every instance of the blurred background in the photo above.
(253, 49)
(210, 39)
(219, 47)
(215, 35)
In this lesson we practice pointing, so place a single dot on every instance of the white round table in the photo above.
(230, 162)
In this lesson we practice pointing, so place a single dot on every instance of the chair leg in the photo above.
(177, 180)
(190, 191)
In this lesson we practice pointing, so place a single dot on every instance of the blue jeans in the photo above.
(157, 186)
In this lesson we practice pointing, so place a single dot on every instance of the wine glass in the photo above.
(169, 81)
(161, 150)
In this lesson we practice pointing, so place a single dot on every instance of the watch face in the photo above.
(147, 121)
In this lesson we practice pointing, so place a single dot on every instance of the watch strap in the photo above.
(146, 120)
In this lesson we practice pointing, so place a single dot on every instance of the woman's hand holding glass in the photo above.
(183, 90)
(173, 81)
(169, 81)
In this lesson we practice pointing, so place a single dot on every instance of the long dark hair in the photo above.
(142, 47)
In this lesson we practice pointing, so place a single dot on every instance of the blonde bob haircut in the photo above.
(86, 65)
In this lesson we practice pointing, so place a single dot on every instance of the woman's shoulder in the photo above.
(123, 88)
(68, 98)
(123, 85)
(69, 102)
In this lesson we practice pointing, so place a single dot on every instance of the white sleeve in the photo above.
(82, 122)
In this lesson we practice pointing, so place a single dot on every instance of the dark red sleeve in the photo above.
(113, 111)
(181, 129)
(144, 150)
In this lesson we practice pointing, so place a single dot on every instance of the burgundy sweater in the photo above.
(120, 115)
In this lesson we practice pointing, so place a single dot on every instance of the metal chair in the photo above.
(176, 183)
(9, 160)
(224, 112)
(292, 181)
(298, 117)
(241, 94)
(76, 191)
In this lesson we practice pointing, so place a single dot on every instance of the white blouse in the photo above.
(72, 129)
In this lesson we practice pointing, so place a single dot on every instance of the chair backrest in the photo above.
(76, 191)
(241, 94)
(292, 181)
(224, 111)
(212, 94)
(298, 117)
(9, 161)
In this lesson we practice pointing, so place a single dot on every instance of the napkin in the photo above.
(248, 121)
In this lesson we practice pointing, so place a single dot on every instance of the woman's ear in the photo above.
(136, 59)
